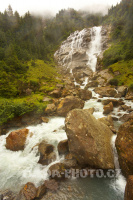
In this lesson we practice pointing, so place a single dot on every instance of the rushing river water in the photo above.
(18, 168)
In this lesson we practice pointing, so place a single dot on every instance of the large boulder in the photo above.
(106, 91)
(124, 145)
(69, 103)
(15, 141)
(129, 189)
(47, 154)
(85, 94)
(89, 140)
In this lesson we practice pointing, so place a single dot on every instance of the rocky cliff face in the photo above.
(78, 54)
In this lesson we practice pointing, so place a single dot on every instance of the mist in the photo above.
(51, 7)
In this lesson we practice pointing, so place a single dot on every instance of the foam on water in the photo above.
(18, 168)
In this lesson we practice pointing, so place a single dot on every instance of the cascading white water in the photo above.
(18, 168)
(95, 47)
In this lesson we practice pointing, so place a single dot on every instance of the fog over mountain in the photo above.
(52, 7)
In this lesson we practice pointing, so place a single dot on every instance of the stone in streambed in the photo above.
(126, 117)
(27, 193)
(63, 147)
(85, 94)
(47, 154)
(15, 141)
(69, 103)
(89, 140)
(106, 91)
(108, 108)
(50, 109)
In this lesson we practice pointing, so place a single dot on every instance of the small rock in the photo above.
(108, 108)
(63, 147)
(50, 109)
(51, 184)
(45, 120)
(46, 153)
(41, 190)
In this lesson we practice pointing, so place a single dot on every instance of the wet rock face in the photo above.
(73, 52)
(47, 154)
(63, 147)
(69, 103)
(124, 145)
(16, 139)
(129, 189)
(89, 140)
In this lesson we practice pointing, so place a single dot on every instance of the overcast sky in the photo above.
(43, 6)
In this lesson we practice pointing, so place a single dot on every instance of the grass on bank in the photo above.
(123, 72)
(41, 78)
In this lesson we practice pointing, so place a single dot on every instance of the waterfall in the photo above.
(88, 41)
(95, 47)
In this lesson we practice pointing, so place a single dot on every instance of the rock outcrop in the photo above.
(69, 103)
(89, 140)
(15, 141)
(124, 145)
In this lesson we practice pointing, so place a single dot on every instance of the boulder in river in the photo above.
(63, 147)
(89, 140)
(129, 189)
(15, 141)
(85, 94)
(47, 154)
(69, 103)
(28, 192)
(124, 145)
(126, 117)
(106, 91)
(108, 108)
(129, 95)
(122, 90)
(115, 102)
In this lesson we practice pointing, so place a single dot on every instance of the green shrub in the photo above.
(114, 81)
(131, 87)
